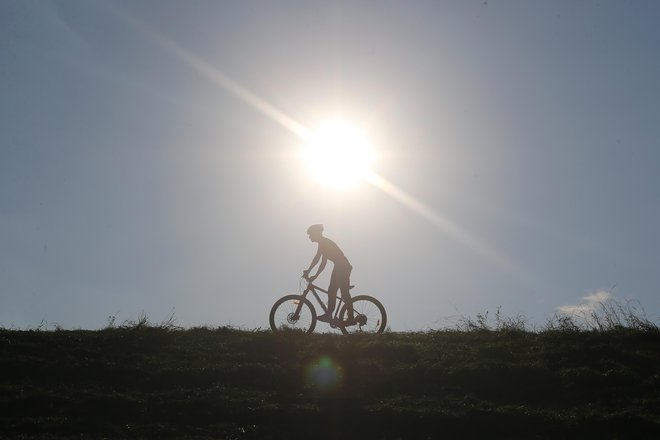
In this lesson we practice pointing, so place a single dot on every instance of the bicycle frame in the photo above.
(313, 288)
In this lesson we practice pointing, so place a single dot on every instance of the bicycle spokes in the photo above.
(292, 312)
(370, 316)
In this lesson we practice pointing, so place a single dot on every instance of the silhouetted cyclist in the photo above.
(341, 273)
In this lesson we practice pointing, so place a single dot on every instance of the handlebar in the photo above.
(307, 278)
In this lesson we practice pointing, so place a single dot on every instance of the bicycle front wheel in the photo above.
(369, 314)
(293, 312)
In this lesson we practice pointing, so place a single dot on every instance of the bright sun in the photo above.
(338, 154)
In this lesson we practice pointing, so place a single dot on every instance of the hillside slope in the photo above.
(146, 382)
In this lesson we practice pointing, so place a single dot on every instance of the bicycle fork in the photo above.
(300, 304)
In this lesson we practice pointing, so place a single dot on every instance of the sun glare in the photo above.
(338, 154)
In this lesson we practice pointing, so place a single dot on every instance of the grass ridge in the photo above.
(161, 381)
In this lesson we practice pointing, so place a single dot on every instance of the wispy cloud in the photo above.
(588, 303)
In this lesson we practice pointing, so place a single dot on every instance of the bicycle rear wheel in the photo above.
(293, 312)
(369, 313)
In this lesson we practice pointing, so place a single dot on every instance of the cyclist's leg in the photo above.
(332, 294)
(344, 286)
(335, 284)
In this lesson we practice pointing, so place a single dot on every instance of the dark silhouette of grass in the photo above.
(488, 380)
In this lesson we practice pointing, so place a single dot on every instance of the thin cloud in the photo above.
(588, 304)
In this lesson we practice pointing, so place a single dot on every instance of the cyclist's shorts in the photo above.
(341, 277)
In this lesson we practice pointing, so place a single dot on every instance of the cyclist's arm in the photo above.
(312, 264)
(324, 261)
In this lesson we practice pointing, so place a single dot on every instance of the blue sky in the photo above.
(131, 179)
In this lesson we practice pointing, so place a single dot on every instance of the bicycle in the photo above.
(296, 312)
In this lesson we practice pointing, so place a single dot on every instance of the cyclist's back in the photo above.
(332, 252)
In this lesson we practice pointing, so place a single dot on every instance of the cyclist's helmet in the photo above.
(315, 229)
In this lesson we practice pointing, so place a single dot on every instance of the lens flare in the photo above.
(338, 154)
(324, 374)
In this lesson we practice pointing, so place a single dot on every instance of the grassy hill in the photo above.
(149, 382)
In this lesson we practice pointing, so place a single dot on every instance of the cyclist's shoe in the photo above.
(326, 317)
(360, 320)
